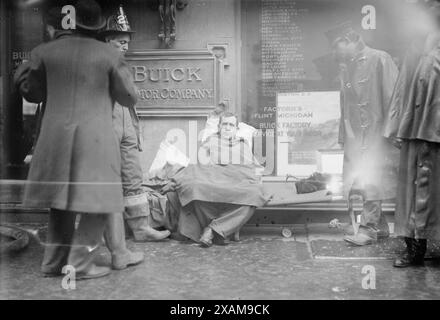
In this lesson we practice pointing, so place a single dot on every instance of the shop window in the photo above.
(287, 58)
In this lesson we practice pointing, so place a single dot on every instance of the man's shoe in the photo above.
(220, 241)
(122, 261)
(359, 240)
(207, 237)
(407, 260)
(365, 236)
(381, 234)
(52, 274)
(403, 261)
(93, 273)
(414, 254)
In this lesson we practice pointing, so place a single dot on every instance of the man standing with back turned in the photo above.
(76, 166)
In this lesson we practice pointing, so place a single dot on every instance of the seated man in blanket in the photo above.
(215, 198)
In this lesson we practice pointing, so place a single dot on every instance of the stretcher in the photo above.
(324, 201)
(294, 201)
(322, 196)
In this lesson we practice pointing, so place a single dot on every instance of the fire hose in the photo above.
(16, 239)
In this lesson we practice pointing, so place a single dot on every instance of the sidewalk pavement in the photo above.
(263, 265)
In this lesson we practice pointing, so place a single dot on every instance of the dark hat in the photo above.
(338, 32)
(89, 15)
(117, 23)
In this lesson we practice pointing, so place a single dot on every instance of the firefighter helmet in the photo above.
(117, 23)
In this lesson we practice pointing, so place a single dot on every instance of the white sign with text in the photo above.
(307, 133)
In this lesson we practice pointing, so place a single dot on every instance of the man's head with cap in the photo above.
(343, 40)
(117, 31)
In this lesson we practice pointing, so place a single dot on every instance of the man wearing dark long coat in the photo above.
(414, 120)
(367, 81)
(76, 166)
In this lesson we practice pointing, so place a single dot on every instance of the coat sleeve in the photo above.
(402, 90)
(30, 79)
(388, 73)
(392, 118)
(343, 75)
(122, 87)
(341, 135)
(137, 127)
(428, 83)
(39, 120)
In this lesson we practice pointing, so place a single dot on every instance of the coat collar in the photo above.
(361, 52)
(63, 34)
(90, 35)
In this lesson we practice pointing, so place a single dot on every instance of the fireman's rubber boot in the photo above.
(137, 211)
(142, 232)
(382, 233)
(365, 236)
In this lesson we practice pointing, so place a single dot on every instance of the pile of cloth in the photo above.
(316, 182)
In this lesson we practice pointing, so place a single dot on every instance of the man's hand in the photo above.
(169, 187)
(28, 159)
(396, 142)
